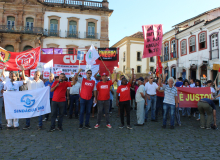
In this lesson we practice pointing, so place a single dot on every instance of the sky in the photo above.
(129, 15)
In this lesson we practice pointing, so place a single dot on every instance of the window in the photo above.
(173, 73)
(151, 59)
(138, 69)
(192, 44)
(123, 69)
(166, 51)
(9, 48)
(183, 47)
(138, 56)
(202, 40)
(10, 22)
(70, 51)
(152, 69)
(214, 41)
(27, 48)
(53, 27)
(91, 29)
(124, 57)
(30, 22)
(173, 46)
(72, 28)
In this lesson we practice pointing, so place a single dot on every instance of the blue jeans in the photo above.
(172, 108)
(159, 105)
(178, 115)
(1, 105)
(55, 106)
(74, 99)
(186, 111)
(151, 104)
(85, 105)
(40, 123)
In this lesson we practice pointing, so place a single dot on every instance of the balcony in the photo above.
(54, 33)
(161, 58)
(166, 57)
(72, 34)
(173, 55)
(139, 58)
(21, 29)
(214, 54)
(75, 3)
(91, 35)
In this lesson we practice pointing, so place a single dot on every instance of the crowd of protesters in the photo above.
(144, 95)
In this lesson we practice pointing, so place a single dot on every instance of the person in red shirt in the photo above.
(103, 98)
(87, 87)
(59, 100)
(124, 100)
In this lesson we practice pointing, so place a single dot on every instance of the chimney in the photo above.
(105, 3)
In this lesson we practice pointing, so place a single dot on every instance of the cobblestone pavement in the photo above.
(147, 142)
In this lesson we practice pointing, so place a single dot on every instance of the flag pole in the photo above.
(104, 64)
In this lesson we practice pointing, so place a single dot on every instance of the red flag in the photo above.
(13, 60)
(219, 70)
(171, 54)
(153, 36)
(159, 66)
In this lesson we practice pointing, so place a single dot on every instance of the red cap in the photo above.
(104, 74)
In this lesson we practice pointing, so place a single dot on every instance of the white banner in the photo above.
(49, 65)
(67, 69)
(46, 74)
(27, 104)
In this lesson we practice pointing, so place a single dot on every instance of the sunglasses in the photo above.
(89, 73)
(151, 78)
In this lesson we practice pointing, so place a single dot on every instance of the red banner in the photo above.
(153, 36)
(189, 97)
(13, 60)
(159, 68)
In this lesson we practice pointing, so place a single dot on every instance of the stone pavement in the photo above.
(147, 142)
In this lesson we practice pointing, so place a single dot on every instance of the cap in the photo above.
(141, 79)
(104, 74)
(98, 75)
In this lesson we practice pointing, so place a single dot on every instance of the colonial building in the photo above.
(130, 55)
(191, 49)
(68, 24)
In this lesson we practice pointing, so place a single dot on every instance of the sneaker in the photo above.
(51, 129)
(208, 128)
(39, 128)
(202, 127)
(129, 127)
(88, 126)
(164, 126)
(108, 126)
(56, 120)
(45, 119)
(60, 128)
(8, 128)
(121, 126)
(96, 126)
(179, 125)
(80, 126)
(16, 128)
(171, 127)
(139, 124)
(26, 127)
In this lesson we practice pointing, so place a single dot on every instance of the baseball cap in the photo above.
(104, 74)
(98, 75)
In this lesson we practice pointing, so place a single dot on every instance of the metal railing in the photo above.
(174, 55)
(55, 33)
(139, 58)
(214, 54)
(72, 34)
(91, 35)
(21, 29)
(166, 57)
(89, 4)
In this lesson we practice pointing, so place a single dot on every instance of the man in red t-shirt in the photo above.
(59, 100)
(103, 91)
(124, 101)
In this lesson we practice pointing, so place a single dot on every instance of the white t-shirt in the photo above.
(13, 86)
(75, 88)
(151, 88)
(192, 85)
(140, 90)
(32, 84)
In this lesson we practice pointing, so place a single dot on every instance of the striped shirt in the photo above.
(169, 94)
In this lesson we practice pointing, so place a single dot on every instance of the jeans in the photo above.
(1, 106)
(172, 108)
(110, 107)
(125, 105)
(28, 121)
(159, 105)
(47, 115)
(61, 107)
(65, 107)
(101, 105)
(151, 104)
(140, 112)
(74, 99)
(85, 105)
(186, 111)
(205, 108)
(178, 115)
